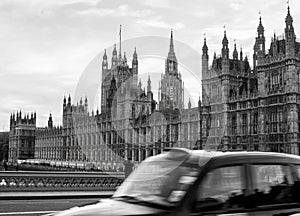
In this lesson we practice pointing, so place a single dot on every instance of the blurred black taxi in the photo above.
(186, 182)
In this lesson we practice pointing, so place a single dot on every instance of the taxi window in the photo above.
(222, 188)
(298, 172)
(273, 184)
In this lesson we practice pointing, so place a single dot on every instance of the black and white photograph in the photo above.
(150, 107)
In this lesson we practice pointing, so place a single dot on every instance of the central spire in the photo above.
(171, 54)
(120, 35)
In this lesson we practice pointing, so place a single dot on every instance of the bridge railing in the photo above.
(59, 181)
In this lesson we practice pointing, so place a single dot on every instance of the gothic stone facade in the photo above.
(21, 136)
(129, 126)
(242, 108)
(256, 109)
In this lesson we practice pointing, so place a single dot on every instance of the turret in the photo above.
(149, 84)
(259, 46)
(274, 47)
(290, 37)
(171, 61)
(204, 59)
(225, 55)
(64, 102)
(69, 100)
(104, 65)
(114, 59)
(85, 104)
(50, 121)
(135, 64)
(149, 92)
(235, 54)
(241, 61)
(241, 54)
(225, 49)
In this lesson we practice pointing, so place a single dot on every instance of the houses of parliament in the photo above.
(242, 108)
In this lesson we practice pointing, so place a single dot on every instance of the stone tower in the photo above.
(172, 92)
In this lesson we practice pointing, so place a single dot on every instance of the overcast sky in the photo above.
(46, 45)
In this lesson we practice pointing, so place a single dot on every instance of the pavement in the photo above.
(54, 195)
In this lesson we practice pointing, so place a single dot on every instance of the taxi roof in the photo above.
(201, 157)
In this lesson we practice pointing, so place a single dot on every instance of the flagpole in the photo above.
(120, 33)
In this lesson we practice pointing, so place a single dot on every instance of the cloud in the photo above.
(158, 3)
(158, 22)
(204, 13)
(122, 10)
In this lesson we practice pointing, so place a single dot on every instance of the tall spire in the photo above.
(134, 54)
(290, 37)
(114, 58)
(225, 40)
(104, 56)
(171, 54)
(120, 35)
(149, 84)
(115, 50)
(289, 18)
(69, 100)
(204, 48)
(104, 61)
(235, 53)
(134, 59)
(260, 28)
(225, 49)
(241, 54)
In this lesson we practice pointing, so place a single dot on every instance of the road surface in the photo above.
(39, 207)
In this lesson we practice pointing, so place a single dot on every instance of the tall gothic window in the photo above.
(273, 119)
(280, 121)
(255, 122)
(233, 125)
(244, 123)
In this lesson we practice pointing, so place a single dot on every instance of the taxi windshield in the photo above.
(162, 181)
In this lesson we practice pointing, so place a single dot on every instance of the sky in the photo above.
(46, 46)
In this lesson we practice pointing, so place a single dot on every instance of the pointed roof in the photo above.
(289, 18)
(241, 54)
(171, 54)
(104, 55)
(204, 48)
(120, 35)
(235, 53)
(115, 50)
(225, 40)
(69, 99)
(135, 53)
(260, 28)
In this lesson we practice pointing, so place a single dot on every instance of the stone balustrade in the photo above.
(59, 181)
